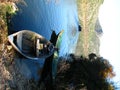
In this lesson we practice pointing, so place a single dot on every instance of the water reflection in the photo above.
(42, 18)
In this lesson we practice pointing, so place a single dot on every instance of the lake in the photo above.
(43, 16)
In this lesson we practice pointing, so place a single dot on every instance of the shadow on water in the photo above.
(39, 70)
(41, 18)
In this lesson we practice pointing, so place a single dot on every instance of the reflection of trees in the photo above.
(88, 41)
(82, 72)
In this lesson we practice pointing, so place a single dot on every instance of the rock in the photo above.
(2, 47)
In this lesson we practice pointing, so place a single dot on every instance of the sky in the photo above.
(109, 16)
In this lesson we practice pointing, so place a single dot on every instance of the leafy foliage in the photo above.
(84, 72)
(7, 9)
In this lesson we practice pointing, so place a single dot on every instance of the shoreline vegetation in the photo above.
(92, 73)
(79, 73)
(10, 76)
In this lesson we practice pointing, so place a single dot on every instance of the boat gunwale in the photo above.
(17, 48)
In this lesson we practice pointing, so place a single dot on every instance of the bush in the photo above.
(83, 72)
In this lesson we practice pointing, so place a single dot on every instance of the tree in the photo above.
(91, 73)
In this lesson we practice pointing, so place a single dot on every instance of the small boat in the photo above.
(31, 45)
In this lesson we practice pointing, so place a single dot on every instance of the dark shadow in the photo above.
(79, 28)
(84, 73)
(46, 76)
(54, 37)
(9, 23)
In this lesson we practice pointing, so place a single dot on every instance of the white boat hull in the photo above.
(30, 44)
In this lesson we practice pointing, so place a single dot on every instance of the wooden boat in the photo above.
(31, 45)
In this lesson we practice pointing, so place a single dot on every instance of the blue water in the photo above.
(42, 17)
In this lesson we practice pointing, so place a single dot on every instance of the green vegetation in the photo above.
(10, 77)
(88, 41)
(5, 8)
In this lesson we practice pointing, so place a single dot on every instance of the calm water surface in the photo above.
(43, 17)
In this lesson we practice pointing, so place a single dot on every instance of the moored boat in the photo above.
(31, 45)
